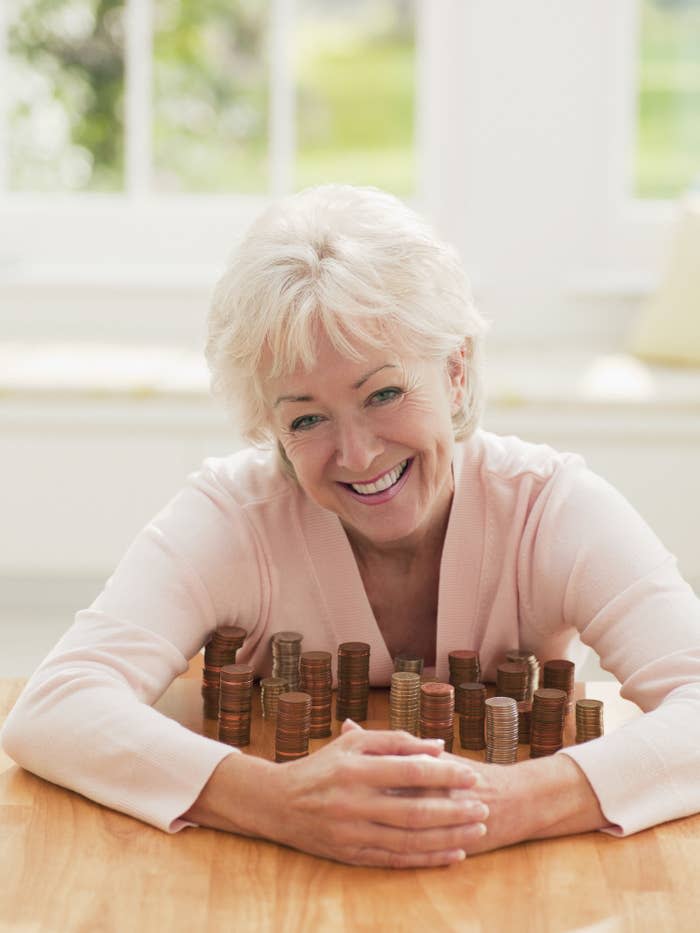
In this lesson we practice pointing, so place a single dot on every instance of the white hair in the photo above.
(354, 263)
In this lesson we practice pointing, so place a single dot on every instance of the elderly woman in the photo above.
(373, 508)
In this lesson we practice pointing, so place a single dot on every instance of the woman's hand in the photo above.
(367, 798)
(534, 799)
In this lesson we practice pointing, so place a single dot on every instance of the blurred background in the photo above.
(556, 145)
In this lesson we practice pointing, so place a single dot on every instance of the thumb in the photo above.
(350, 726)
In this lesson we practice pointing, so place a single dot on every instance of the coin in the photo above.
(316, 679)
(404, 701)
(235, 704)
(411, 663)
(501, 730)
(220, 650)
(547, 722)
(512, 678)
(437, 704)
(353, 681)
(470, 700)
(589, 719)
(559, 674)
(293, 726)
(286, 649)
(533, 664)
(270, 689)
(464, 667)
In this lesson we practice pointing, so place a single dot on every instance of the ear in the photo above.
(457, 374)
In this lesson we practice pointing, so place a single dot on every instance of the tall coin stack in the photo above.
(512, 680)
(464, 667)
(437, 707)
(530, 658)
(547, 725)
(353, 681)
(270, 689)
(470, 704)
(501, 730)
(589, 720)
(286, 648)
(411, 663)
(316, 679)
(293, 726)
(404, 701)
(220, 650)
(235, 703)
(524, 721)
(559, 675)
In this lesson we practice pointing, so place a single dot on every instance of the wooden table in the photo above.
(72, 865)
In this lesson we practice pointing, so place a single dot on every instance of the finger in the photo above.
(392, 742)
(441, 839)
(414, 771)
(423, 812)
(384, 859)
(349, 725)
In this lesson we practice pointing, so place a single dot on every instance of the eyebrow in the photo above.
(356, 385)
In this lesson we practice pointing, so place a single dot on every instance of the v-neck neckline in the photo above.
(350, 613)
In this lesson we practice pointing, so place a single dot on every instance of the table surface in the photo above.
(70, 864)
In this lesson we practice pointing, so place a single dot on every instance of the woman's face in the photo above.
(372, 440)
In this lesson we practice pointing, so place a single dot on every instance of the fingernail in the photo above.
(351, 721)
(481, 829)
(482, 812)
(461, 855)
(439, 742)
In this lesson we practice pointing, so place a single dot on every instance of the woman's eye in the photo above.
(304, 422)
(384, 395)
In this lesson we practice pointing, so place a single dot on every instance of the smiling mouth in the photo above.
(386, 482)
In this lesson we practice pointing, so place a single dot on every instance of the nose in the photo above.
(357, 446)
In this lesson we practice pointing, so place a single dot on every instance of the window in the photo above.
(202, 96)
(668, 137)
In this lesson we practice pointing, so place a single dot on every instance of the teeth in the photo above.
(366, 489)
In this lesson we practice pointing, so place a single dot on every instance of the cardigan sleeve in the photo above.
(590, 561)
(85, 719)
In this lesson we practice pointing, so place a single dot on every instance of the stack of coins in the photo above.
(235, 703)
(293, 726)
(547, 725)
(501, 730)
(353, 681)
(220, 650)
(464, 667)
(286, 648)
(470, 700)
(559, 675)
(589, 720)
(512, 678)
(404, 701)
(530, 658)
(316, 679)
(270, 689)
(408, 662)
(524, 721)
(437, 707)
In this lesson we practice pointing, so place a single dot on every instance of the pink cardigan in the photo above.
(538, 549)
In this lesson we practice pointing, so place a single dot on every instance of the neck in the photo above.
(424, 545)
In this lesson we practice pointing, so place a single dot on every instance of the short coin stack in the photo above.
(404, 701)
(411, 663)
(286, 648)
(270, 689)
(235, 703)
(512, 678)
(316, 679)
(470, 700)
(530, 658)
(353, 681)
(293, 726)
(437, 706)
(589, 720)
(464, 667)
(219, 651)
(559, 675)
(547, 726)
(501, 730)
